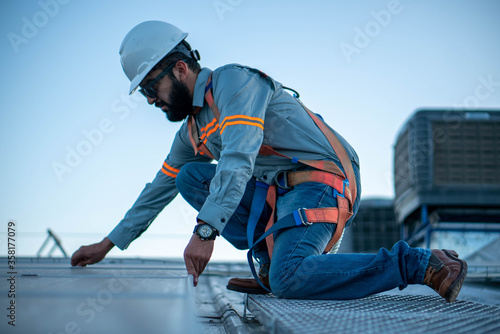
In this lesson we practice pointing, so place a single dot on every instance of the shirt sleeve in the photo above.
(242, 96)
(157, 194)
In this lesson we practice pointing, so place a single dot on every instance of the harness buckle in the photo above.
(303, 217)
(285, 180)
(344, 184)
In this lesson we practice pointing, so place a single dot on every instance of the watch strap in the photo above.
(212, 236)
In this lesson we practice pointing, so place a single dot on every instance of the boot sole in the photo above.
(455, 287)
(246, 290)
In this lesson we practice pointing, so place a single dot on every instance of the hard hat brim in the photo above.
(134, 84)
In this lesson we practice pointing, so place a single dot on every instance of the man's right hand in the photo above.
(92, 253)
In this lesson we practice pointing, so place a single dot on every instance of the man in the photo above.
(277, 163)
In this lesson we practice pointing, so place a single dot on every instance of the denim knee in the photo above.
(283, 283)
(194, 174)
(191, 182)
(184, 177)
(180, 180)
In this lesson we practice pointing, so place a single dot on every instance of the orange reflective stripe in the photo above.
(175, 170)
(239, 119)
(169, 170)
(208, 125)
(209, 133)
(168, 173)
(256, 119)
(205, 132)
(241, 122)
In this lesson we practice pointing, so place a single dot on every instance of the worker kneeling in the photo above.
(285, 186)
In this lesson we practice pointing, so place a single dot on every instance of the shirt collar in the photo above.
(199, 87)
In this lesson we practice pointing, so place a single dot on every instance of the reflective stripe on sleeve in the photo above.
(170, 171)
(241, 119)
(206, 131)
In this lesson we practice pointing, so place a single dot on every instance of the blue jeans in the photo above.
(298, 267)
(193, 183)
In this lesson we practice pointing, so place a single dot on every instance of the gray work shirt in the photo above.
(254, 110)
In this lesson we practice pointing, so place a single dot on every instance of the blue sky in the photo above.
(77, 150)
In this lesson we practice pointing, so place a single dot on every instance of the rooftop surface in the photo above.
(156, 296)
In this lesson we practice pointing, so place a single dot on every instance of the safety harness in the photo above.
(325, 171)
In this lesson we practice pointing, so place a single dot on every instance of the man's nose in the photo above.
(151, 100)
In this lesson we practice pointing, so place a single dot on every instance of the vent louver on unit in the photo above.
(447, 158)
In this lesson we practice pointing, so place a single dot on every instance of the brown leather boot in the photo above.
(445, 273)
(250, 285)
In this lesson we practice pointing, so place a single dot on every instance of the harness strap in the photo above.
(325, 165)
(343, 216)
(285, 222)
(198, 146)
(321, 215)
(328, 173)
(341, 186)
(300, 217)
(258, 202)
(194, 138)
(271, 201)
(210, 99)
(339, 150)
(345, 196)
(338, 215)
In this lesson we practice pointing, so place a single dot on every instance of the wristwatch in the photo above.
(205, 232)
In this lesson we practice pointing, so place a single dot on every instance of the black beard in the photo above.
(181, 105)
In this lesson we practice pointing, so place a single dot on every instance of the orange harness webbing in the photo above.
(327, 173)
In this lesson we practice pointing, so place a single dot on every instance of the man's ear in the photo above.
(181, 70)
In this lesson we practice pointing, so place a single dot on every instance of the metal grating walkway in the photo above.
(375, 314)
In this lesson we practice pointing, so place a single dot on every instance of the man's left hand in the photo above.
(196, 256)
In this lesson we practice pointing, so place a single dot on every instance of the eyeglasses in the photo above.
(148, 90)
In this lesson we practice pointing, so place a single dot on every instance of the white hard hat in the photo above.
(145, 45)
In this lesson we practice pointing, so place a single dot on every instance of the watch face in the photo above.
(205, 231)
